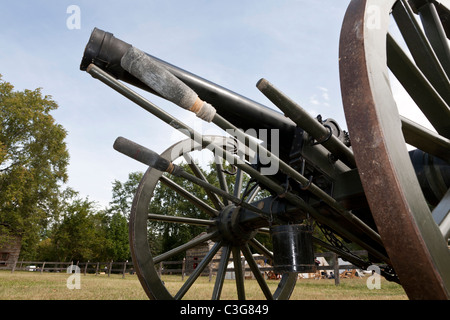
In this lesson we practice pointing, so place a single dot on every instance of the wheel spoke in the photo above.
(441, 215)
(212, 188)
(188, 195)
(198, 271)
(221, 272)
(221, 177)
(261, 248)
(427, 99)
(176, 219)
(199, 174)
(425, 139)
(238, 183)
(436, 34)
(264, 230)
(255, 269)
(253, 194)
(421, 49)
(238, 274)
(184, 247)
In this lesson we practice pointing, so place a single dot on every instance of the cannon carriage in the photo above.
(383, 185)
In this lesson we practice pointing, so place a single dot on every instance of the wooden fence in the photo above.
(165, 267)
(84, 267)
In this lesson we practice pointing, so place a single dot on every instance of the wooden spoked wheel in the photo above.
(221, 228)
(412, 229)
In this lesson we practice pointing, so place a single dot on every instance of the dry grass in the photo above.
(306, 289)
(52, 286)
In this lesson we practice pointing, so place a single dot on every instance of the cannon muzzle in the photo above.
(106, 51)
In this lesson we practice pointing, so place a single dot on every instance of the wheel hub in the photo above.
(230, 228)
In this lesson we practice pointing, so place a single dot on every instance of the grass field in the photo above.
(53, 286)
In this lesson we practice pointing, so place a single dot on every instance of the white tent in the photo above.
(345, 263)
(230, 275)
(322, 262)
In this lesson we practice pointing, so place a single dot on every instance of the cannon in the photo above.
(383, 185)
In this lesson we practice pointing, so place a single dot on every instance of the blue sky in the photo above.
(292, 43)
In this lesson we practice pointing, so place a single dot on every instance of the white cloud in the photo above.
(320, 99)
(325, 95)
(313, 100)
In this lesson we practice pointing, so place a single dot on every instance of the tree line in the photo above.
(52, 220)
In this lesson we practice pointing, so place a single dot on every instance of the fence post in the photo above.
(337, 278)
(96, 270)
(110, 267)
(124, 269)
(43, 266)
(14, 266)
(210, 272)
(85, 267)
(183, 269)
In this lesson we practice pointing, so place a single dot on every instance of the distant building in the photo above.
(195, 255)
(9, 251)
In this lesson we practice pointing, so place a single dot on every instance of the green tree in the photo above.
(117, 238)
(122, 197)
(80, 232)
(123, 193)
(33, 162)
(118, 213)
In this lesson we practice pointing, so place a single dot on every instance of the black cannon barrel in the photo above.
(106, 51)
